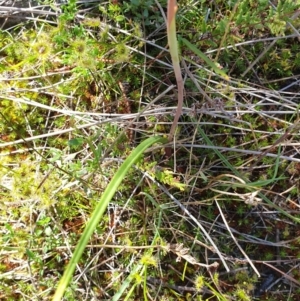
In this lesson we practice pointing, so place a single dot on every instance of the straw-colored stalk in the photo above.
(173, 45)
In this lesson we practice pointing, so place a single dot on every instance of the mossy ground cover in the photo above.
(79, 91)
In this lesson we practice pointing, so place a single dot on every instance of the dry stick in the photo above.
(10, 10)
(186, 211)
(289, 130)
(190, 74)
(76, 114)
(258, 58)
(234, 239)
(173, 45)
(295, 15)
(285, 275)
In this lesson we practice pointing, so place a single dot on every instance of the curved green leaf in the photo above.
(99, 210)
(208, 61)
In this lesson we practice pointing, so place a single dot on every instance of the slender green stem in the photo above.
(173, 45)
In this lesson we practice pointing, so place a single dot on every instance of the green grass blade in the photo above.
(99, 210)
(208, 61)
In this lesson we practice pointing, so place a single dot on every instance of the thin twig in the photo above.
(184, 209)
(235, 241)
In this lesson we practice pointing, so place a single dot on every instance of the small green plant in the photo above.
(199, 282)
(144, 10)
(242, 295)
